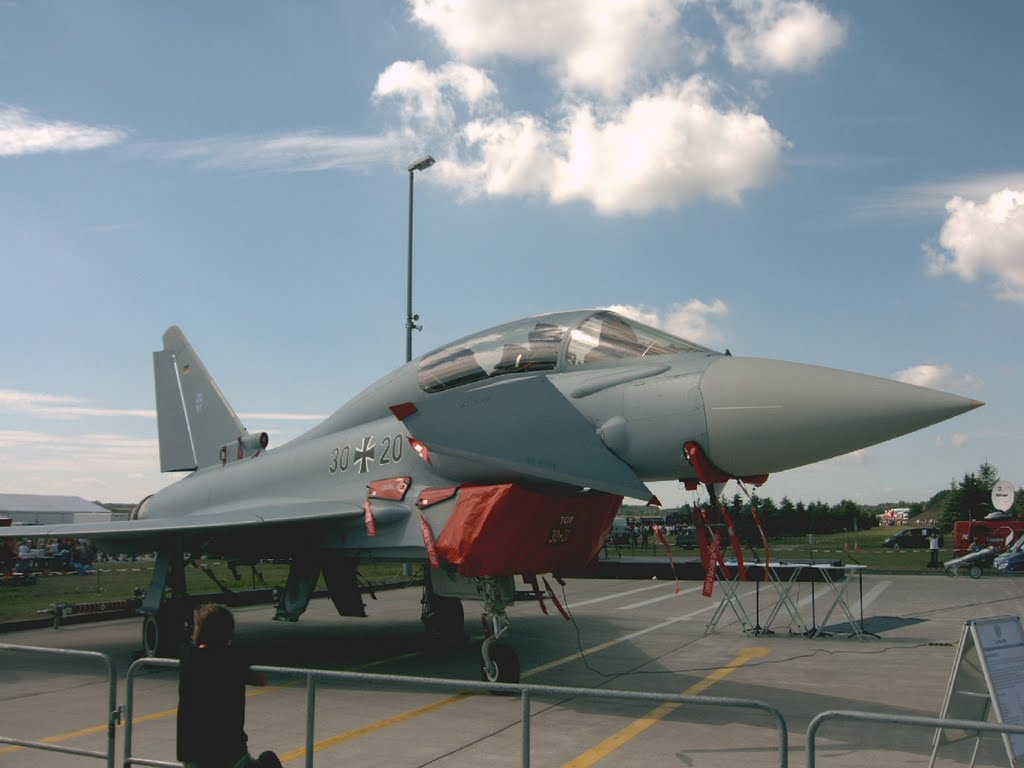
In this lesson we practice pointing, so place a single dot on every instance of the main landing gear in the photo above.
(167, 618)
(442, 617)
(166, 630)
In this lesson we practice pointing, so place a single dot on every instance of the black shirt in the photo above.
(211, 705)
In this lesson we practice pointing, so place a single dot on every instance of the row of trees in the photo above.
(971, 498)
(785, 518)
(966, 499)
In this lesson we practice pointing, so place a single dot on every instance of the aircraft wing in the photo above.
(225, 517)
(526, 427)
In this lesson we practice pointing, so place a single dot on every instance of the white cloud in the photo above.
(942, 377)
(305, 151)
(430, 97)
(21, 133)
(593, 45)
(628, 127)
(690, 321)
(282, 416)
(66, 407)
(785, 35)
(956, 440)
(98, 465)
(628, 124)
(59, 407)
(660, 150)
(985, 237)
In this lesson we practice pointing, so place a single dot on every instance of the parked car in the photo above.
(912, 538)
(1012, 559)
(686, 537)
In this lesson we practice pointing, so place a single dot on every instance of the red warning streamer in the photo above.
(428, 542)
(554, 598)
(715, 556)
(760, 529)
(737, 548)
(660, 533)
(709, 576)
(371, 524)
(531, 579)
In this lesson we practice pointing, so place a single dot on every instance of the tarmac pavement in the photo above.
(634, 635)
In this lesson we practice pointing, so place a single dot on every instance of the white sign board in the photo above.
(988, 676)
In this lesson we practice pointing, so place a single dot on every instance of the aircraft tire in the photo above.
(447, 622)
(164, 632)
(506, 660)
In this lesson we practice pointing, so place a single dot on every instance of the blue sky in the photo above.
(839, 184)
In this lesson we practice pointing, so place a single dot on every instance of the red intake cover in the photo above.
(503, 530)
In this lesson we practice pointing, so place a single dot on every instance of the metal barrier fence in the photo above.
(113, 714)
(924, 722)
(525, 691)
(117, 715)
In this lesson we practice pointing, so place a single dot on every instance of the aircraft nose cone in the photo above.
(767, 416)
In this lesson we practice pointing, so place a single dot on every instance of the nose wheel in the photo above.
(500, 664)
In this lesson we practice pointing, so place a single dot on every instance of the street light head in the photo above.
(422, 164)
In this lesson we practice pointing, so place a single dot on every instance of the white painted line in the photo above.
(658, 599)
(875, 592)
(592, 600)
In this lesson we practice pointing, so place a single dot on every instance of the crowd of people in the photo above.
(30, 555)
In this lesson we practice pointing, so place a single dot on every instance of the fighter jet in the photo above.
(506, 453)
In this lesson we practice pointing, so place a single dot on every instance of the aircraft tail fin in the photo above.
(194, 421)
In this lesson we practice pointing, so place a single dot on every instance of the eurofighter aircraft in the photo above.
(505, 453)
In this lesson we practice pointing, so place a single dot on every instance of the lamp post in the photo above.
(420, 165)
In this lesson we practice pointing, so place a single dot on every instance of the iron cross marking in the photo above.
(364, 454)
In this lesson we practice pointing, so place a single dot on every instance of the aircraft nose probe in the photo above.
(766, 416)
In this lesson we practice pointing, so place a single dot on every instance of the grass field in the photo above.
(116, 580)
(119, 580)
(863, 547)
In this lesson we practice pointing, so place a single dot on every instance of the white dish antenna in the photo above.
(1002, 495)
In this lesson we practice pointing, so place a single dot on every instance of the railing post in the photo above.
(113, 715)
(310, 716)
(526, 728)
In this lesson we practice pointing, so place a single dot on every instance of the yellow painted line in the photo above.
(659, 713)
(397, 719)
(571, 657)
(135, 721)
(373, 727)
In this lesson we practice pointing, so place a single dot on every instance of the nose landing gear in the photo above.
(499, 663)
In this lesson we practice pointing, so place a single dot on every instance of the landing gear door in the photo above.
(447, 582)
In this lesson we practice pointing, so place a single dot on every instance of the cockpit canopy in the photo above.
(546, 342)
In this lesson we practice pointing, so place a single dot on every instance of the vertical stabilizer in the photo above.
(193, 418)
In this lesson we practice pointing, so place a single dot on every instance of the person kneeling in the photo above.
(211, 695)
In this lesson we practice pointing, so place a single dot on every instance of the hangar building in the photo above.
(33, 509)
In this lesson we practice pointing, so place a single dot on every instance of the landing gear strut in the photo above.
(499, 662)
(167, 622)
(443, 617)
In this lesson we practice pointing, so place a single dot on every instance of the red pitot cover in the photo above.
(504, 530)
